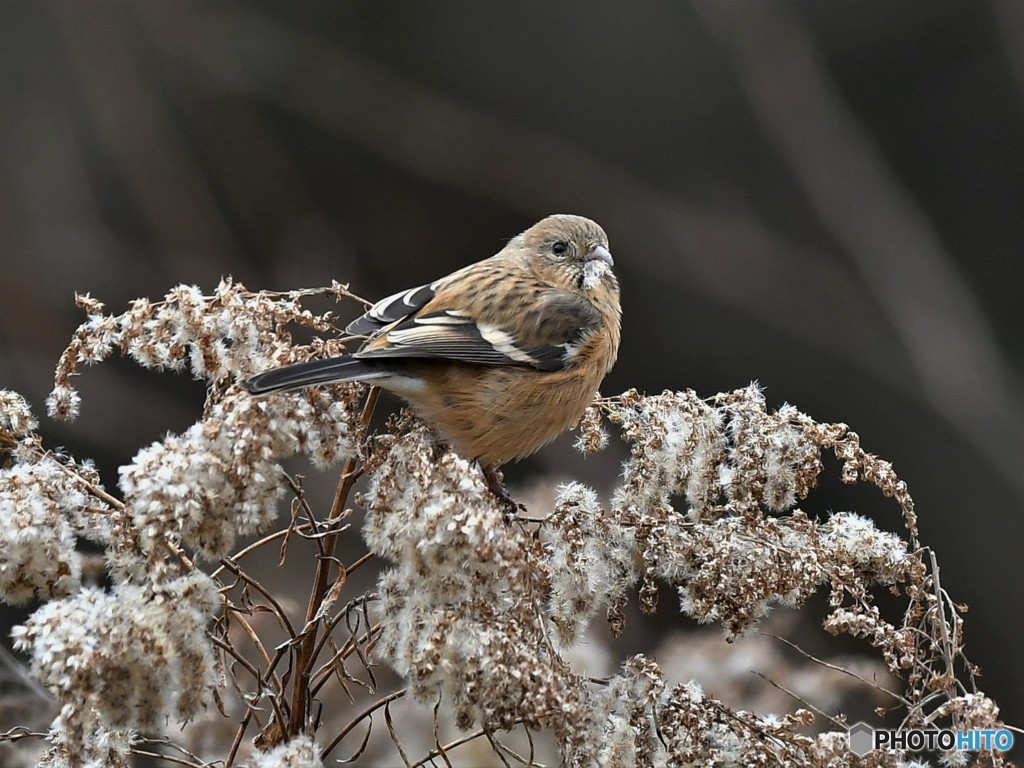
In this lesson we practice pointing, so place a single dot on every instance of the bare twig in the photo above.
(394, 736)
(256, 545)
(305, 659)
(439, 749)
(279, 613)
(18, 733)
(804, 702)
(196, 761)
(835, 667)
(355, 721)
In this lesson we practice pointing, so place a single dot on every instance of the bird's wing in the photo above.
(390, 310)
(534, 327)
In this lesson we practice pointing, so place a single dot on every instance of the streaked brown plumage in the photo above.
(499, 357)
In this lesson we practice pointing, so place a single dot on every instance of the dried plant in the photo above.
(475, 636)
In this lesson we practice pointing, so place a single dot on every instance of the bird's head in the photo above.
(573, 252)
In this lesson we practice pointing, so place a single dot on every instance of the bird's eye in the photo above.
(559, 247)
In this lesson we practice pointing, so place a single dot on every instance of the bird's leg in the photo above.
(496, 485)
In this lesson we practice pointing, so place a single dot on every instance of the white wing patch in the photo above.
(504, 343)
(413, 335)
(449, 317)
(571, 350)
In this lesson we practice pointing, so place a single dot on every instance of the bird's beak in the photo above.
(600, 253)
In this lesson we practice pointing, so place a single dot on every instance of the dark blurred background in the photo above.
(823, 197)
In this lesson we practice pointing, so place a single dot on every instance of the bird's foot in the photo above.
(496, 485)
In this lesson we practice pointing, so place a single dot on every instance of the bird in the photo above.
(499, 357)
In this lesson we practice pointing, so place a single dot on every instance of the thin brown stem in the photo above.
(321, 583)
(835, 723)
(344, 613)
(360, 718)
(277, 609)
(230, 650)
(167, 758)
(251, 548)
(322, 675)
(19, 732)
(834, 667)
(243, 726)
(394, 735)
(350, 569)
(92, 488)
(166, 742)
(254, 638)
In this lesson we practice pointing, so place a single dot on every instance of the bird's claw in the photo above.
(496, 485)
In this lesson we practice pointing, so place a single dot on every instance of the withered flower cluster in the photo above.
(484, 619)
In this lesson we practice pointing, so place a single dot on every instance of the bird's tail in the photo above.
(326, 371)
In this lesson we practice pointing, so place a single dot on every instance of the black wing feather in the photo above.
(391, 309)
(298, 375)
